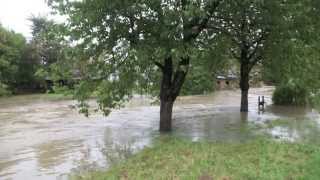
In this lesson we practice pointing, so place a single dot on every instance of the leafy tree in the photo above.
(54, 51)
(50, 46)
(11, 49)
(4, 90)
(126, 42)
(200, 81)
(248, 25)
(27, 68)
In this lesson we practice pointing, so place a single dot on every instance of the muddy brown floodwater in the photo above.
(41, 138)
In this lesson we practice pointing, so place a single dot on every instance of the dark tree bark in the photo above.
(244, 101)
(166, 99)
(171, 85)
(166, 115)
(244, 80)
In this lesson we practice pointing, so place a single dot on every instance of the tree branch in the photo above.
(180, 76)
(234, 54)
(194, 27)
(257, 44)
(255, 61)
(159, 65)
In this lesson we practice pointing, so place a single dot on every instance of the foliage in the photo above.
(46, 39)
(56, 56)
(11, 49)
(181, 159)
(126, 42)
(52, 49)
(19, 62)
(314, 99)
(212, 60)
(199, 81)
(28, 67)
(4, 90)
(202, 74)
(291, 93)
(65, 90)
(248, 26)
(293, 60)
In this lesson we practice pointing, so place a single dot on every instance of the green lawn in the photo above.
(181, 159)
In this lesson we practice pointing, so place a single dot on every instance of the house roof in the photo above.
(228, 77)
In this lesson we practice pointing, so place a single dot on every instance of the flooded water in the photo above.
(47, 139)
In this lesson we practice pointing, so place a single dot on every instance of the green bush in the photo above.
(4, 90)
(198, 82)
(315, 99)
(57, 89)
(290, 93)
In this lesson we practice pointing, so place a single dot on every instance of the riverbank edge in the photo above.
(174, 158)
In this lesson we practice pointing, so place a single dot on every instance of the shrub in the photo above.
(57, 89)
(290, 93)
(198, 82)
(4, 90)
(315, 99)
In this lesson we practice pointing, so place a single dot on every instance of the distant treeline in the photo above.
(32, 66)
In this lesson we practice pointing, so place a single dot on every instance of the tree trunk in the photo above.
(166, 116)
(170, 88)
(244, 101)
(244, 85)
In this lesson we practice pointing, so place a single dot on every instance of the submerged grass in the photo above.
(181, 159)
(279, 122)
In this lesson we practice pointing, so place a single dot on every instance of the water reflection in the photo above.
(45, 139)
(117, 145)
(224, 125)
(289, 111)
(53, 153)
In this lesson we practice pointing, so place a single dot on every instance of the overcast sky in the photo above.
(14, 14)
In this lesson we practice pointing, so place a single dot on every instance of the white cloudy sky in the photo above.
(14, 14)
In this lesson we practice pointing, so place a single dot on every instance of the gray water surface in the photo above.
(41, 138)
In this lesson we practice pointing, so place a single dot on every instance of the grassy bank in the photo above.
(181, 159)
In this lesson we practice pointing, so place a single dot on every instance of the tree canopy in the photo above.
(152, 45)
(128, 40)
(12, 46)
